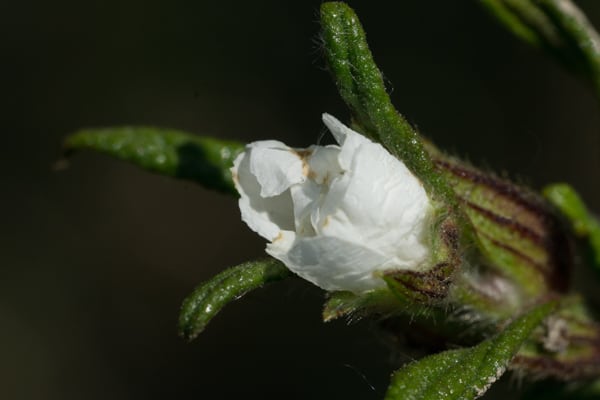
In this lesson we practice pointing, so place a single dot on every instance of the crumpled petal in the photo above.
(275, 166)
(330, 263)
(335, 215)
(376, 181)
(267, 216)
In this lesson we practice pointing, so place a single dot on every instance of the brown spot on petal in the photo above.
(279, 237)
(303, 155)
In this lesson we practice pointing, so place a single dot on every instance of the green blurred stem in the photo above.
(583, 223)
(557, 27)
(579, 33)
(514, 13)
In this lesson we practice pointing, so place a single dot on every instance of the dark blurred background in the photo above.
(95, 260)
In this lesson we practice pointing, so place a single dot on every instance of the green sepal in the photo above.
(583, 223)
(210, 297)
(465, 373)
(431, 285)
(379, 302)
(428, 287)
(518, 233)
(169, 152)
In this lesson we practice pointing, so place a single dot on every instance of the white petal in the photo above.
(337, 129)
(335, 215)
(276, 167)
(332, 263)
(323, 163)
(397, 205)
(281, 245)
(305, 198)
(265, 216)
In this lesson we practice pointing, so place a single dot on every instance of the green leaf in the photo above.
(465, 373)
(583, 223)
(210, 297)
(165, 151)
(361, 85)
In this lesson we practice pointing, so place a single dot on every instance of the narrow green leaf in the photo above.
(164, 151)
(583, 223)
(210, 297)
(361, 85)
(465, 373)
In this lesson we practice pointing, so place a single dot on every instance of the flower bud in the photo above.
(338, 215)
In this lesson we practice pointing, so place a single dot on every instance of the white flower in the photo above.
(335, 215)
